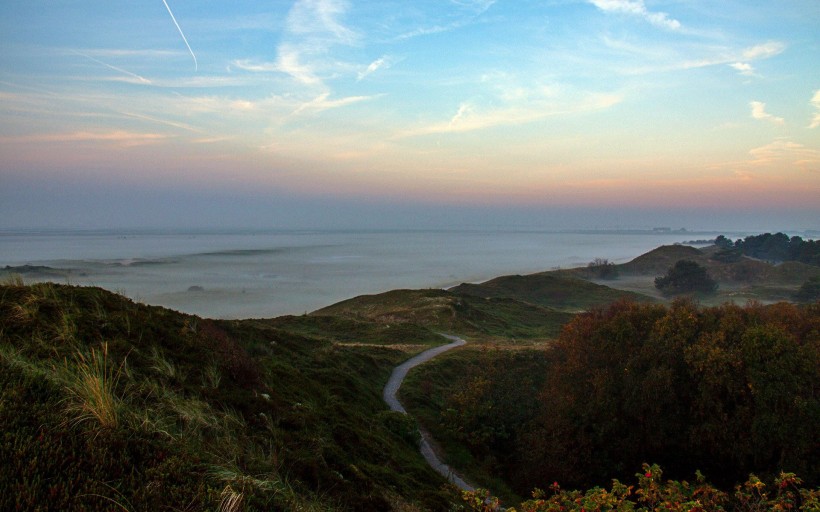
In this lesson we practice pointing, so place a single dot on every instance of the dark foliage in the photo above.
(780, 247)
(602, 268)
(686, 276)
(726, 390)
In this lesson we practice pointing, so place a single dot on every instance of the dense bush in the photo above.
(602, 268)
(727, 390)
(685, 276)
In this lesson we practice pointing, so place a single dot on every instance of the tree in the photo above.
(603, 268)
(686, 276)
(723, 242)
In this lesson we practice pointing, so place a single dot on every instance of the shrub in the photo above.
(686, 276)
(603, 268)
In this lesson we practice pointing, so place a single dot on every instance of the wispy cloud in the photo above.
(478, 6)
(465, 13)
(783, 151)
(744, 68)
(764, 50)
(322, 102)
(320, 18)
(815, 102)
(288, 62)
(653, 60)
(470, 117)
(120, 138)
(383, 62)
(779, 156)
(637, 8)
(312, 27)
(759, 112)
(757, 52)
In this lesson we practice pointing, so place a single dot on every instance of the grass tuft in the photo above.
(91, 387)
(231, 500)
(161, 364)
(13, 279)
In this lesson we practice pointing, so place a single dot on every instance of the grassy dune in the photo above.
(108, 404)
(465, 314)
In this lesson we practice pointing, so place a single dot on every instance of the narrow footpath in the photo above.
(392, 387)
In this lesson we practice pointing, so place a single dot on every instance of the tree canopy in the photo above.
(686, 276)
(776, 247)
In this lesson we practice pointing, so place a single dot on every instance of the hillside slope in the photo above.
(105, 403)
(548, 289)
(451, 312)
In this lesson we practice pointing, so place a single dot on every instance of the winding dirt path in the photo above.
(392, 387)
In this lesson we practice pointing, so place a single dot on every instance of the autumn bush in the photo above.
(728, 390)
(786, 492)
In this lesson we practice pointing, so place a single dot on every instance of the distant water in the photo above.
(272, 273)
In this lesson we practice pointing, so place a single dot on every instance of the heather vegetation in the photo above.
(106, 404)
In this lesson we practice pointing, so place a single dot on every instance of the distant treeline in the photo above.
(776, 247)
(728, 390)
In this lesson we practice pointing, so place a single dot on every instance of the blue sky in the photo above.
(630, 106)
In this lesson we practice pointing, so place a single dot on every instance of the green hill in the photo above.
(108, 404)
(548, 289)
(657, 261)
(454, 312)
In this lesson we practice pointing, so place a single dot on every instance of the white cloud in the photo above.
(775, 159)
(467, 12)
(637, 8)
(312, 28)
(760, 51)
(479, 6)
(743, 68)
(383, 62)
(288, 61)
(470, 117)
(764, 50)
(759, 112)
(815, 101)
(320, 18)
(785, 152)
(118, 137)
(321, 103)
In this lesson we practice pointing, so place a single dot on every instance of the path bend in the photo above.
(389, 394)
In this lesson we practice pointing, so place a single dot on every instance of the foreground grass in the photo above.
(108, 404)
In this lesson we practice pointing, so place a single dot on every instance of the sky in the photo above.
(451, 113)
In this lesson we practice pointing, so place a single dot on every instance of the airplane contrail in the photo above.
(196, 66)
(115, 68)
